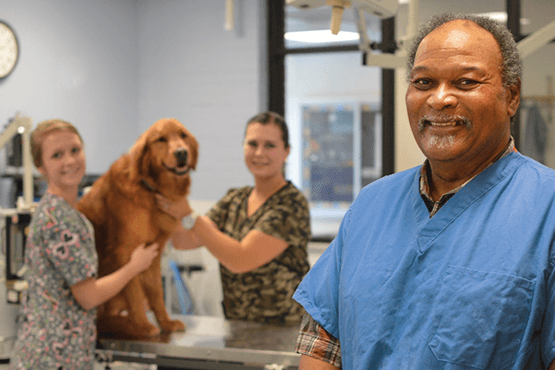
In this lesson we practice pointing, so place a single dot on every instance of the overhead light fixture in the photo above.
(321, 36)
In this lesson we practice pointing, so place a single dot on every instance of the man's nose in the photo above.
(442, 97)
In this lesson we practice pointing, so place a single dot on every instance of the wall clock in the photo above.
(9, 50)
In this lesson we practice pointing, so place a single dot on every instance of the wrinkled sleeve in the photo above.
(318, 293)
(71, 250)
(315, 341)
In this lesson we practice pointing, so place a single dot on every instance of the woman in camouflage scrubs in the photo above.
(57, 321)
(258, 233)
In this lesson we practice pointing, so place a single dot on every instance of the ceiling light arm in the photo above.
(364, 41)
(536, 40)
(229, 15)
(337, 8)
(394, 55)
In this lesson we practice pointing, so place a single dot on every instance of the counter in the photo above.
(211, 343)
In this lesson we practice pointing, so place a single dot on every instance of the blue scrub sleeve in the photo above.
(318, 293)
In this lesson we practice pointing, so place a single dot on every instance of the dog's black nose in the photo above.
(181, 155)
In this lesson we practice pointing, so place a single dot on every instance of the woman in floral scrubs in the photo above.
(57, 323)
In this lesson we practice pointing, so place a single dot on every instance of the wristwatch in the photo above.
(189, 221)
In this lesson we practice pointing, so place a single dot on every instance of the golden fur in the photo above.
(122, 208)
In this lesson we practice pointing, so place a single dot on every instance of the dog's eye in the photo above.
(183, 135)
(162, 139)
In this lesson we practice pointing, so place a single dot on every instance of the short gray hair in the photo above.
(512, 66)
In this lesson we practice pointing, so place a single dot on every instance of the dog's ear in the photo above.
(194, 152)
(137, 156)
(193, 147)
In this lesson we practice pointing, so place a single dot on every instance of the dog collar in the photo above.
(148, 186)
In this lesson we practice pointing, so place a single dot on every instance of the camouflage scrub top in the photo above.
(55, 331)
(264, 294)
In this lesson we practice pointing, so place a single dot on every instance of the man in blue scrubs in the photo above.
(449, 265)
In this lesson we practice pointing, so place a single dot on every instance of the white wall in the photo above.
(193, 69)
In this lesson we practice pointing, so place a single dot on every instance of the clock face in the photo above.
(8, 50)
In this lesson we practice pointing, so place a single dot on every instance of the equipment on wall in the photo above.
(536, 40)
(14, 222)
(14, 225)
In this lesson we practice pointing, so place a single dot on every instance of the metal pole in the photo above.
(388, 102)
(275, 21)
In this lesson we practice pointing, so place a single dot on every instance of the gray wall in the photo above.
(114, 67)
(78, 61)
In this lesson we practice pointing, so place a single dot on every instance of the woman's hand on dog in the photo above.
(142, 257)
(177, 210)
(91, 292)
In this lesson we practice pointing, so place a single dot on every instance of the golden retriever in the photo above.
(122, 208)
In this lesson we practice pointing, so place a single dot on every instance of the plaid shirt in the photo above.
(314, 340)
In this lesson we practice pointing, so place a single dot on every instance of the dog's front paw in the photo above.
(173, 325)
(152, 331)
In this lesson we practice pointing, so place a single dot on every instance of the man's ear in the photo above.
(513, 98)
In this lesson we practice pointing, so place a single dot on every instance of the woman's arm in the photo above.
(255, 250)
(90, 293)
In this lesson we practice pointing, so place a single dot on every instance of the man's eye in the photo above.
(422, 82)
(467, 82)
(57, 155)
(269, 145)
(76, 150)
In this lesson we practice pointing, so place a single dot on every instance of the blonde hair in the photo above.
(44, 129)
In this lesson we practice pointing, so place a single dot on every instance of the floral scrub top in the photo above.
(264, 294)
(55, 332)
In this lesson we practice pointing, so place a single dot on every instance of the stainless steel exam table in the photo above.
(211, 343)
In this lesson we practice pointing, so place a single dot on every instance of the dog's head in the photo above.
(164, 154)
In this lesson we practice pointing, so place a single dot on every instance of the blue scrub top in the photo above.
(470, 288)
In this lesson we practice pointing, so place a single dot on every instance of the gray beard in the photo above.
(441, 141)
